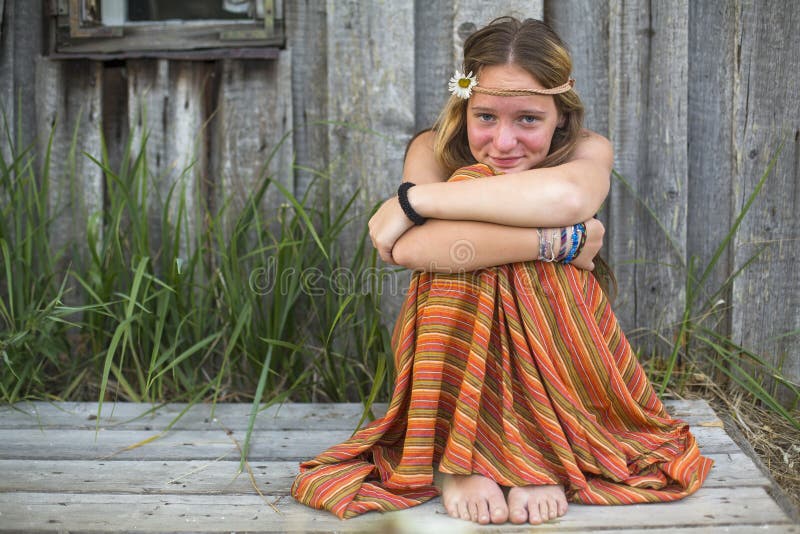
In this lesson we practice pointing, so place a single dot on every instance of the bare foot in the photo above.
(536, 504)
(473, 497)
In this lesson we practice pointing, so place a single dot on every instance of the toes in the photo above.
(517, 505)
(473, 511)
(451, 505)
(516, 510)
(552, 509)
(535, 511)
(463, 511)
(536, 504)
(544, 509)
(452, 510)
(561, 506)
(518, 515)
(482, 511)
(498, 507)
(474, 498)
(499, 515)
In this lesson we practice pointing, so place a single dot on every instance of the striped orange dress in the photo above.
(519, 373)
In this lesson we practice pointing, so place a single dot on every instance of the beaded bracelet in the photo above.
(575, 240)
(402, 197)
(561, 245)
(583, 240)
(577, 229)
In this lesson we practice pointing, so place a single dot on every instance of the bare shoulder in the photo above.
(421, 165)
(595, 147)
(421, 141)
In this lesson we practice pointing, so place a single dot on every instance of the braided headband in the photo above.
(463, 86)
(563, 88)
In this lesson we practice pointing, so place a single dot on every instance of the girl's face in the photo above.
(510, 133)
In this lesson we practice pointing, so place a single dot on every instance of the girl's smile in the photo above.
(510, 133)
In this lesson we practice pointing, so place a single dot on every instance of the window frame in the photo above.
(75, 33)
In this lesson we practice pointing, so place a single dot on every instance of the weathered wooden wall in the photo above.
(695, 96)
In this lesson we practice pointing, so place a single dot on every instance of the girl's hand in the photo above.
(594, 242)
(386, 227)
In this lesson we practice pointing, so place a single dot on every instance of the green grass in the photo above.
(696, 343)
(33, 331)
(218, 309)
(237, 305)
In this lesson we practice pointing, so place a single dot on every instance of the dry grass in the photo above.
(774, 439)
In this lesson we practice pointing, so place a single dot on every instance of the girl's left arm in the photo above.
(544, 197)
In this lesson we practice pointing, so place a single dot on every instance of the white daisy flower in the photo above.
(461, 85)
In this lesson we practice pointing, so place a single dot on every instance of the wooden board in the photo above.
(19, 48)
(583, 26)
(765, 116)
(68, 444)
(188, 480)
(628, 48)
(133, 416)
(662, 178)
(730, 529)
(709, 507)
(712, 61)
(307, 39)
(289, 416)
(252, 136)
(7, 99)
(370, 100)
(370, 88)
(647, 218)
(69, 104)
(167, 104)
(222, 476)
(470, 15)
(433, 60)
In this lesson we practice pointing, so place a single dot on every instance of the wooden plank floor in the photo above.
(58, 472)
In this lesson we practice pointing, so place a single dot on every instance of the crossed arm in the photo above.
(490, 221)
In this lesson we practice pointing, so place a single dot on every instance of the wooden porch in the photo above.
(144, 470)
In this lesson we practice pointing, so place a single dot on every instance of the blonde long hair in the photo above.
(532, 45)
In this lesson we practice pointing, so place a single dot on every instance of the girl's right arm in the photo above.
(454, 245)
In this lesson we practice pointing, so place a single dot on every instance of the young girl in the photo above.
(512, 371)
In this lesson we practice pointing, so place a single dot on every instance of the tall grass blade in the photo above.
(652, 214)
(739, 218)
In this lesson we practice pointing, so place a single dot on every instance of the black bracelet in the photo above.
(402, 196)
